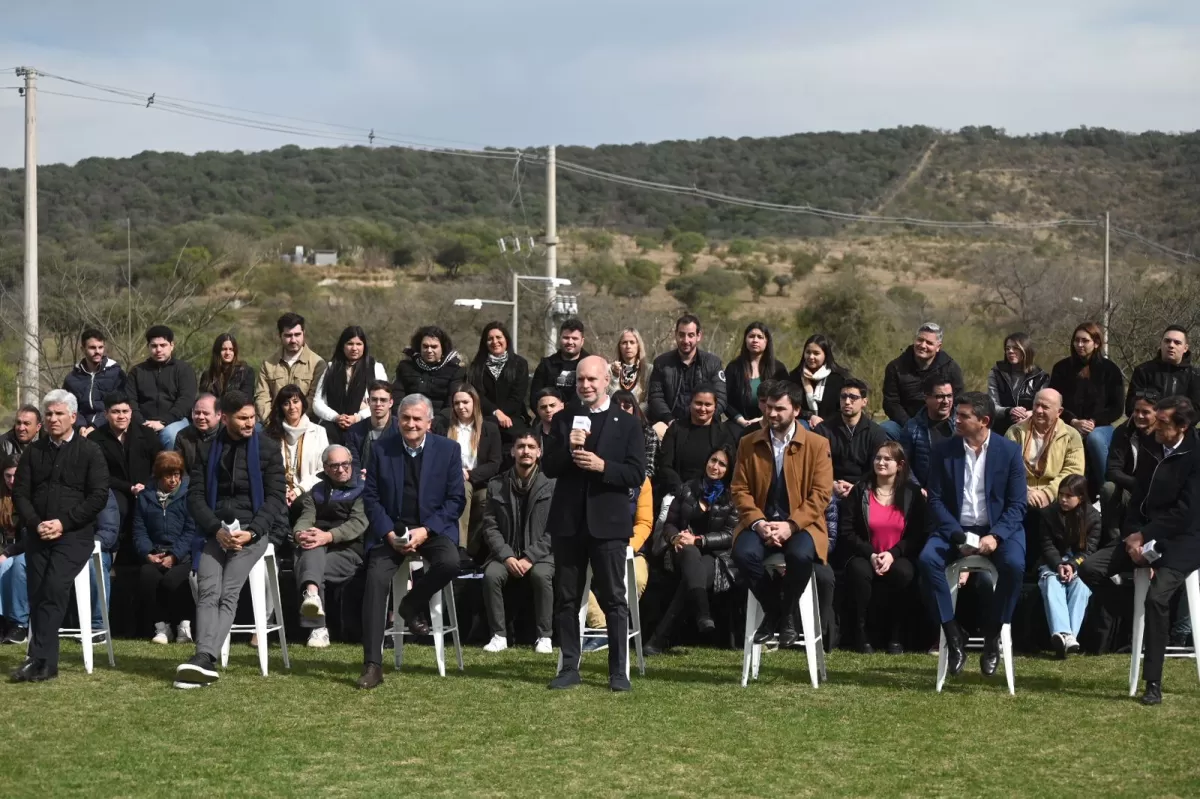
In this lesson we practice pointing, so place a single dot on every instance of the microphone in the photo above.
(961, 539)
(583, 423)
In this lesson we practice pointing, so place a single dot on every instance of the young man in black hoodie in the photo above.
(1170, 374)
(853, 438)
(903, 378)
(238, 477)
(558, 370)
(162, 388)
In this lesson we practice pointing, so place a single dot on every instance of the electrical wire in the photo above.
(1183, 256)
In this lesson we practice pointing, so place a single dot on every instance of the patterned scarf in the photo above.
(712, 490)
(628, 376)
(452, 357)
(496, 363)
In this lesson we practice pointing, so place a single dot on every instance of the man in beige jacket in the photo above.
(1050, 448)
(295, 364)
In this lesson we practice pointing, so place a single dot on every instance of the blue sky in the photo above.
(532, 72)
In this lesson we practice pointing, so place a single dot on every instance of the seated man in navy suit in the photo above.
(976, 486)
(414, 487)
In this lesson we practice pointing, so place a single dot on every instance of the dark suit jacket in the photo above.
(1003, 480)
(605, 511)
(1163, 509)
(442, 496)
(129, 463)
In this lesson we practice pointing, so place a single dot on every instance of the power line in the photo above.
(1183, 256)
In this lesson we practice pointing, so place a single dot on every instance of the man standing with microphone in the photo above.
(597, 455)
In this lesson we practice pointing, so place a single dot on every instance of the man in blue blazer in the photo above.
(976, 487)
(414, 487)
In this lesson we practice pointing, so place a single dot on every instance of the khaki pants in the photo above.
(470, 524)
(595, 616)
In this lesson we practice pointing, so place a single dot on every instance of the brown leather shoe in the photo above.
(372, 676)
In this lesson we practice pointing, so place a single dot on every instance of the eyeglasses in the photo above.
(339, 465)
(942, 397)
(852, 397)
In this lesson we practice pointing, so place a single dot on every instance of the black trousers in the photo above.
(572, 555)
(862, 581)
(441, 566)
(1118, 600)
(165, 594)
(50, 568)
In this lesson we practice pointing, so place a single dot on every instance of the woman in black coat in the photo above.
(479, 440)
(822, 380)
(882, 534)
(1014, 382)
(502, 379)
(696, 542)
(432, 368)
(754, 364)
(688, 443)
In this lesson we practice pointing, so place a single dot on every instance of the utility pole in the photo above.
(1107, 303)
(30, 384)
(551, 247)
(129, 276)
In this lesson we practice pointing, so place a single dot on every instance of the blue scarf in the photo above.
(711, 490)
(253, 468)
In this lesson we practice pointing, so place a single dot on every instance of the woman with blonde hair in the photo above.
(1014, 382)
(631, 370)
(479, 439)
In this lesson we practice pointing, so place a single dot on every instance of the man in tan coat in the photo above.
(781, 488)
(295, 364)
(1050, 448)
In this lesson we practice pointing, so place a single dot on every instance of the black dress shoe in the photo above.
(705, 625)
(895, 648)
(788, 636)
(619, 683)
(567, 678)
(768, 627)
(956, 656)
(865, 648)
(1153, 695)
(29, 671)
(412, 619)
(372, 677)
(990, 657)
(654, 646)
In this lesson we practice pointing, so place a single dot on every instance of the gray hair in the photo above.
(931, 327)
(60, 397)
(332, 448)
(416, 399)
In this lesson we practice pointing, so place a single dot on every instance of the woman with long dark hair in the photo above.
(501, 377)
(340, 399)
(688, 443)
(754, 364)
(1014, 382)
(884, 533)
(819, 374)
(628, 402)
(1093, 392)
(1070, 531)
(301, 440)
(226, 370)
(433, 366)
(479, 440)
(696, 541)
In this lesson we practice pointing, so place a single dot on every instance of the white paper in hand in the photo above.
(232, 527)
(972, 540)
(583, 423)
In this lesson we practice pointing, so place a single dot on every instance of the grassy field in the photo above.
(687, 729)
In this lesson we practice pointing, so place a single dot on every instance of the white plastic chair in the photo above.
(975, 563)
(810, 629)
(441, 604)
(635, 617)
(83, 606)
(268, 610)
(1141, 586)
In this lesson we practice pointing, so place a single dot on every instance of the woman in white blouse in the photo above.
(340, 398)
(479, 439)
(301, 440)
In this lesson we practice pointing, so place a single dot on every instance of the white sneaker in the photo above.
(498, 644)
(1072, 643)
(543, 647)
(311, 607)
(183, 635)
(319, 638)
(162, 633)
(185, 685)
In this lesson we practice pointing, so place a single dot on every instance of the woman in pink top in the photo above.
(882, 536)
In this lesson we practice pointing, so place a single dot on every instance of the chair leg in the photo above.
(83, 605)
(1193, 597)
(452, 611)
(750, 652)
(1141, 587)
(399, 591)
(102, 595)
(258, 598)
(225, 651)
(811, 636)
(276, 600)
(1006, 650)
(943, 657)
(635, 616)
(439, 636)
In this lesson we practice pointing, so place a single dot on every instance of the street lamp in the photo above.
(477, 303)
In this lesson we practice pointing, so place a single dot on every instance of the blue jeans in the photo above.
(97, 618)
(166, 436)
(14, 592)
(1095, 449)
(1065, 602)
(1009, 560)
(892, 430)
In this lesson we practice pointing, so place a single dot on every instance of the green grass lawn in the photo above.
(687, 729)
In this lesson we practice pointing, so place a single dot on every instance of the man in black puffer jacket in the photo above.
(558, 370)
(1170, 374)
(678, 372)
(61, 487)
(163, 389)
(903, 378)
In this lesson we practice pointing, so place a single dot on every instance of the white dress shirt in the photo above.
(779, 446)
(974, 511)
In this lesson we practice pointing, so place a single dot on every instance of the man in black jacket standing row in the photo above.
(61, 487)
